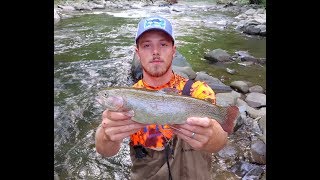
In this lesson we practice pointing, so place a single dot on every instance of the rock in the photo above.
(256, 88)
(255, 99)
(240, 86)
(218, 55)
(214, 83)
(258, 152)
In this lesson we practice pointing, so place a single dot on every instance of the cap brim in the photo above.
(151, 30)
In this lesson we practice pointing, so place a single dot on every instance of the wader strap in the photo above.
(186, 92)
(167, 151)
(187, 87)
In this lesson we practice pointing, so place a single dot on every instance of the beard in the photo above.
(157, 70)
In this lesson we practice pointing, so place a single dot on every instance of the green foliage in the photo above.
(243, 1)
(261, 2)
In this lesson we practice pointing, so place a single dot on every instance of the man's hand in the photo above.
(115, 126)
(118, 125)
(202, 134)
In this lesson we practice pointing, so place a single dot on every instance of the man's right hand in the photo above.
(118, 125)
(115, 126)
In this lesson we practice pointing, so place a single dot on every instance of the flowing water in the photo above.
(94, 49)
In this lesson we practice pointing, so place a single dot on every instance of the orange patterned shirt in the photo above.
(155, 136)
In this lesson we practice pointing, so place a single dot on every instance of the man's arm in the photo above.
(208, 134)
(104, 146)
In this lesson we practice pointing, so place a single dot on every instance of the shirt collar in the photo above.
(170, 84)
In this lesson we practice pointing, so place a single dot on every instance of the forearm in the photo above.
(104, 146)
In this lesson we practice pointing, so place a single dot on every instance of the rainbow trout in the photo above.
(159, 107)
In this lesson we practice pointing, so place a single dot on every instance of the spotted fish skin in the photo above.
(158, 107)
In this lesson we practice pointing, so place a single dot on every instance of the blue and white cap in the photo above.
(154, 22)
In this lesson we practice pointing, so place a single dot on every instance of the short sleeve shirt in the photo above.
(154, 136)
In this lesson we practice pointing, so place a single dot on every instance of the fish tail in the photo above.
(232, 114)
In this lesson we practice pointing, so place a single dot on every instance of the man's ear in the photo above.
(174, 50)
(137, 51)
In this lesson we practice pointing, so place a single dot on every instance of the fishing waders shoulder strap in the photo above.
(187, 87)
(186, 92)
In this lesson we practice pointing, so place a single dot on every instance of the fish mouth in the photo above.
(99, 100)
(114, 103)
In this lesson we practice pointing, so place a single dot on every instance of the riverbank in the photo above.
(251, 18)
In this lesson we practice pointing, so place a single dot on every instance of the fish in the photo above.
(165, 107)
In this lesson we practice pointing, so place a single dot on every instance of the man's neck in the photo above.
(157, 81)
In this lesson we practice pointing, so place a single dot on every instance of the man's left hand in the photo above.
(202, 134)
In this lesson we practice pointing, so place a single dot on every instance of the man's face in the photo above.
(155, 50)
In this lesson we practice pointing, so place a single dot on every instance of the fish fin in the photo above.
(171, 91)
(232, 115)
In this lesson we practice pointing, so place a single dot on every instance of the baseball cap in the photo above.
(154, 23)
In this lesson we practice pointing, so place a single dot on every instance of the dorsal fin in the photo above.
(172, 91)
(210, 100)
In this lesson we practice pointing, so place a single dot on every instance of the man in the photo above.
(158, 152)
